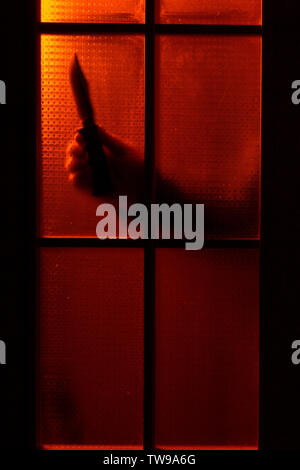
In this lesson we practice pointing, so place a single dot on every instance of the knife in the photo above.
(97, 158)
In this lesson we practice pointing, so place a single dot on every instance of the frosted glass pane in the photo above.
(91, 348)
(244, 12)
(114, 66)
(208, 135)
(93, 11)
(207, 349)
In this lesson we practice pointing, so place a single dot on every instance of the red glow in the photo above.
(93, 11)
(73, 447)
(114, 66)
(208, 136)
(91, 348)
(242, 12)
(207, 349)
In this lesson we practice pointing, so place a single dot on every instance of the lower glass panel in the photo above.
(207, 349)
(91, 348)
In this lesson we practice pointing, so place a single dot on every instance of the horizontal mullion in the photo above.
(86, 28)
(128, 243)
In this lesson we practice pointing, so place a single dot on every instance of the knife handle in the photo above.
(97, 160)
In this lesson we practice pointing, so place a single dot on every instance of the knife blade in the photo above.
(97, 158)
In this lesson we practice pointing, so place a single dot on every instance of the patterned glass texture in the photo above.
(207, 349)
(243, 12)
(91, 348)
(208, 138)
(93, 11)
(114, 67)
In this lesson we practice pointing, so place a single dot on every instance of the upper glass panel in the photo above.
(243, 12)
(208, 131)
(93, 11)
(114, 67)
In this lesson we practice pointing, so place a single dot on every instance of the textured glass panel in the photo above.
(93, 11)
(207, 348)
(91, 348)
(114, 66)
(244, 12)
(208, 128)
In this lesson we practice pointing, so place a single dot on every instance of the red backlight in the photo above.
(207, 349)
(91, 347)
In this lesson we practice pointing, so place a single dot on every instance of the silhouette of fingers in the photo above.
(76, 156)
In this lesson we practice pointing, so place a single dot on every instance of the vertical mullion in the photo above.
(149, 253)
